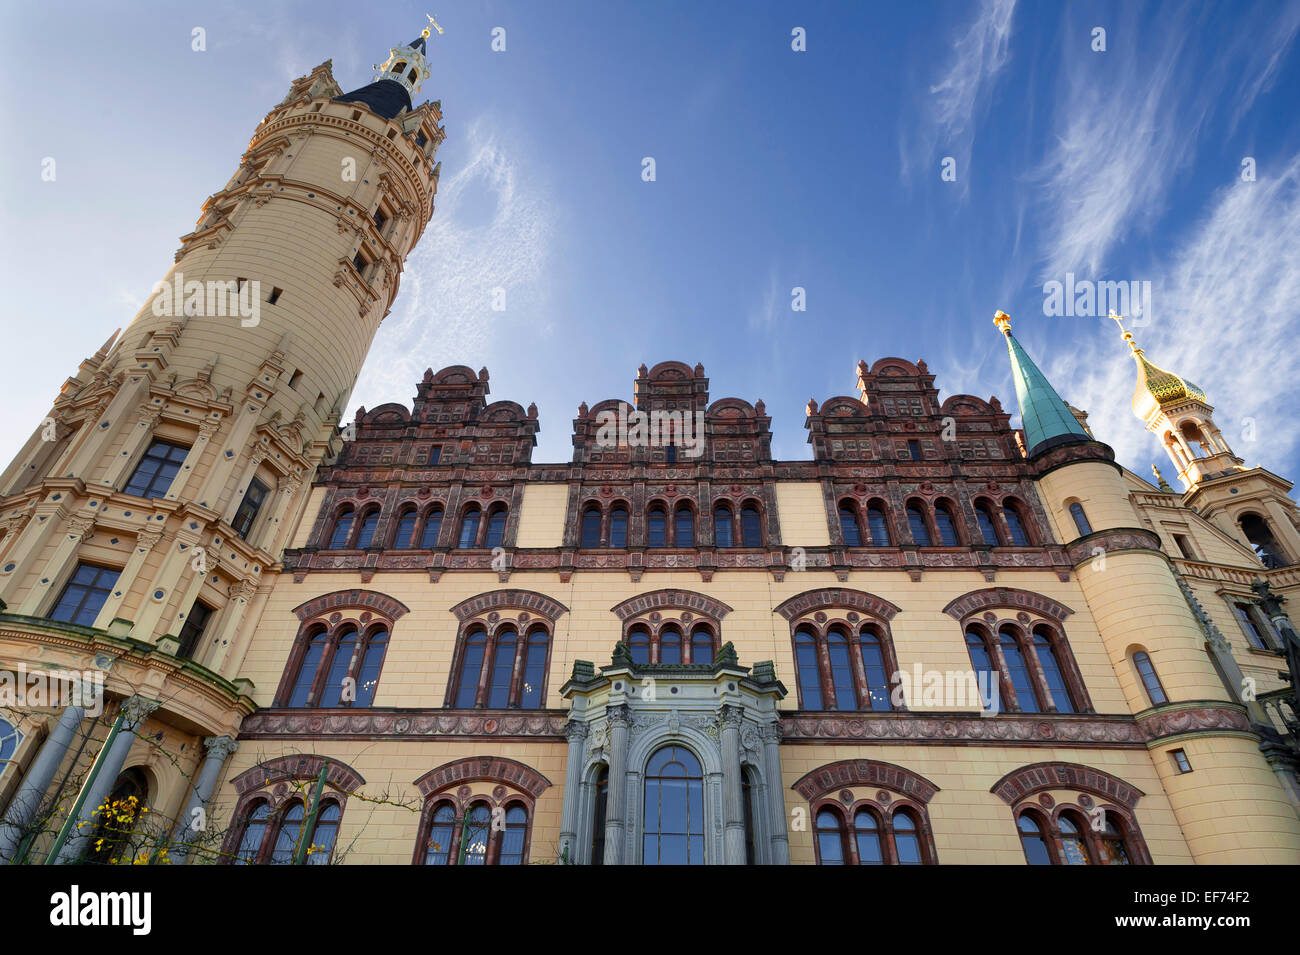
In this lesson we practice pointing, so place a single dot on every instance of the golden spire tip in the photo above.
(1003, 321)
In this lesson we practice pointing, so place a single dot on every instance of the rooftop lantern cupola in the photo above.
(397, 79)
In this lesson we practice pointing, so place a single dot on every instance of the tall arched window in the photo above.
(810, 683)
(250, 841)
(1018, 671)
(1015, 526)
(837, 648)
(907, 844)
(496, 527)
(988, 528)
(432, 527)
(534, 671)
(513, 836)
(849, 524)
(1051, 668)
(866, 830)
(1261, 537)
(342, 529)
(1032, 839)
(405, 532)
(503, 668)
(751, 526)
(471, 670)
(1114, 844)
(1150, 681)
(1073, 845)
(477, 832)
(288, 830)
(701, 645)
(366, 533)
(674, 808)
(372, 661)
(657, 527)
(1080, 519)
(670, 645)
(947, 527)
(591, 527)
(875, 670)
(339, 667)
(638, 645)
(598, 817)
(685, 526)
(878, 525)
(842, 668)
(916, 523)
(441, 831)
(469, 526)
(722, 526)
(311, 659)
(986, 672)
(830, 838)
(324, 835)
(618, 526)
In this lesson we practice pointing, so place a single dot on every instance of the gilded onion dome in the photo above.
(1156, 388)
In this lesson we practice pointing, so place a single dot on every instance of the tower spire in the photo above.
(398, 78)
(1047, 419)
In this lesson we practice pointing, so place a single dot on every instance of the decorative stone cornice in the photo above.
(836, 597)
(392, 724)
(530, 600)
(671, 599)
(864, 772)
(1111, 541)
(352, 599)
(1007, 597)
(1028, 780)
(298, 766)
(489, 768)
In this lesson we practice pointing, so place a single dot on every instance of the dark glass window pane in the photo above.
(916, 521)
(591, 528)
(722, 527)
(432, 526)
(638, 643)
(438, 848)
(368, 680)
(685, 527)
(1031, 838)
(195, 623)
(670, 646)
(656, 529)
(1080, 518)
(322, 840)
(477, 831)
(534, 671)
(947, 531)
(747, 802)
(254, 830)
(618, 527)
(512, 839)
(470, 670)
(841, 671)
(307, 672)
(1015, 528)
(809, 675)
(340, 665)
(367, 533)
(1052, 674)
(849, 527)
(985, 672)
(286, 841)
(342, 531)
(878, 526)
(253, 500)
(403, 536)
(751, 526)
(988, 530)
(598, 817)
(867, 831)
(153, 475)
(1076, 850)
(906, 841)
(1149, 679)
(1112, 842)
(84, 595)
(1018, 673)
(873, 665)
(435, 455)
(830, 838)
(673, 809)
(496, 529)
(469, 529)
(1253, 636)
(503, 668)
(701, 646)
(914, 450)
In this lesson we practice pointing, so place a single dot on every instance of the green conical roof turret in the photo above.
(1047, 419)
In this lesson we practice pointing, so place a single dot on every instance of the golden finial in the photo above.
(1160, 479)
(432, 23)
(1003, 321)
(1128, 336)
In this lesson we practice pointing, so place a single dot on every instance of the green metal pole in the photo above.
(464, 838)
(66, 831)
(309, 825)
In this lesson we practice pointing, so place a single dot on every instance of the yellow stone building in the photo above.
(940, 640)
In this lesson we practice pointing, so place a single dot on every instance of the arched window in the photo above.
(1114, 845)
(334, 668)
(722, 526)
(751, 526)
(866, 830)
(339, 667)
(1150, 681)
(366, 533)
(916, 522)
(747, 804)
(1073, 845)
(325, 834)
(591, 527)
(947, 528)
(288, 830)
(1015, 526)
(849, 525)
(907, 844)
(986, 672)
(875, 670)
(598, 817)
(530, 697)
(638, 644)
(988, 528)
(674, 808)
(810, 683)
(432, 527)
(618, 527)
(471, 670)
(496, 527)
(503, 669)
(1080, 519)
(442, 828)
(1032, 839)
(670, 645)
(1051, 668)
(878, 526)
(1260, 535)
(342, 529)
(513, 836)
(9, 740)
(112, 841)
(830, 838)
(476, 835)
(311, 659)
(1018, 671)
(398, 66)
(405, 532)
(837, 648)
(657, 528)
(372, 661)
(250, 841)
(685, 526)
(469, 526)
(701, 645)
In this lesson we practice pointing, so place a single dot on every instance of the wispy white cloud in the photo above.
(443, 314)
(952, 108)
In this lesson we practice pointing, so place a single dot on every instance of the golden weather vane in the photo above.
(432, 23)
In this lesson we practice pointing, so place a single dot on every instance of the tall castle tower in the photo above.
(153, 501)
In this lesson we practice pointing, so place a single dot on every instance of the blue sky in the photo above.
(819, 169)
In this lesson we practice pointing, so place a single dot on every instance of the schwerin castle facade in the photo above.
(400, 640)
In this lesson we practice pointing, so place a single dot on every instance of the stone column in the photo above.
(576, 731)
(27, 800)
(195, 820)
(616, 804)
(135, 711)
(776, 793)
(733, 808)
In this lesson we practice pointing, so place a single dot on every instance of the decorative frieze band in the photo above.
(967, 604)
(671, 599)
(372, 600)
(1111, 541)
(380, 724)
(491, 768)
(839, 597)
(864, 772)
(1028, 780)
